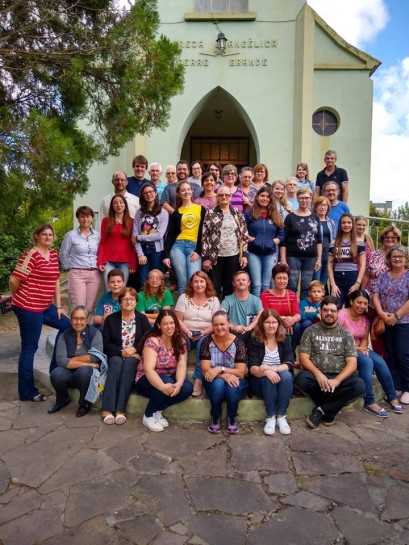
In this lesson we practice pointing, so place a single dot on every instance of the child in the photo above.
(108, 303)
(310, 306)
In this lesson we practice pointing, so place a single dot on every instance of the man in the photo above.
(338, 208)
(135, 182)
(215, 169)
(328, 357)
(242, 307)
(155, 172)
(333, 173)
(168, 199)
(120, 183)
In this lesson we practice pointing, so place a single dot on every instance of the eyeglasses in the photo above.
(79, 319)
(128, 300)
(270, 323)
(304, 198)
(390, 238)
(120, 180)
(397, 257)
(154, 278)
(227, 195)
(230, 173)
(147, 193)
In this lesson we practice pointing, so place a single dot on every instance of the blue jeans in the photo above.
(111, 265)
(276, 397)
(396, 341)
(31, 324)
(366, 366)
(219, 391)
(344, 281)
(303, 266)
(154, 262)
(158, 401)
(322, 274)
(195, 345)
(180, 259)
(259, 268)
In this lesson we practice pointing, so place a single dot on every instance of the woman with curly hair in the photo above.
(115, 249)
(154, 296)
(161, 376)
(149, 229)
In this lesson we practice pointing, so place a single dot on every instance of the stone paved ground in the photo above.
(73, 481)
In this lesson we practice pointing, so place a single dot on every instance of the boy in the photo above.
(108, 303)
(310, 306)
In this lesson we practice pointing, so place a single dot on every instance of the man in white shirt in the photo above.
(120, 181)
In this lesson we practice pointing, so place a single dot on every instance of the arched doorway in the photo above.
(220, 131)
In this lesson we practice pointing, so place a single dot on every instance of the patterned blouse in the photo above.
(128, 333)
(235, 353)
(166, 363)
(393, 293)
(375, 266)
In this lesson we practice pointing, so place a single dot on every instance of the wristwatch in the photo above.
(223, 369)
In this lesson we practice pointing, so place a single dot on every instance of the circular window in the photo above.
(324, 122)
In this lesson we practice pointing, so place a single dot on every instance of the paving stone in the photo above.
(229, 496)
(34, 527)
(12, 491)
(400, 472)
(307, 501)
(92, 498)
(251, 476)
(140, 530)
(375, 436)
(345, 489)
(396, 504)
(388, 456)
(46, 456)
(190, 441)
(165, 495)
(296, 527)
(359, 529)
(86, 465)
(54, 499)
(93, 532)
(8, 414)
(20, 505)
(34, 415)
(179, 529)
(168, 538)
(219, 529)
(342, 431)
(211, 462)
(148, 462)
(4, 477)
(12, 439)
(322, 442)
(126, 449)
(307, 463)
(258, 452)
(133, 510)
(281, 484)
(112, 435)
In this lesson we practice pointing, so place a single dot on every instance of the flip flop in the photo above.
(39, 397)
(108, 419)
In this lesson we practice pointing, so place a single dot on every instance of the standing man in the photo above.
(242, 307)
(135, 182)
(328, 357)
(331, 191)
(155, 172)
(332, 173)
(120, 182)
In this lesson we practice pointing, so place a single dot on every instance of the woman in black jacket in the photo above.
(271, 362)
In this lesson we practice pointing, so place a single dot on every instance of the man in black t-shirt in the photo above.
(332, 173)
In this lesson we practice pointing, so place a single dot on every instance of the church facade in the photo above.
(265, 81)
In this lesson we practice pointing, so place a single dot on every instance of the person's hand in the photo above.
(166, 262)
(194, 257)
(243, 262)
(207, 265)
(333, 383)
(323, 382)
(241, 329)
(288, 321)
(168, 389)
(142, 259)
(317, 265)
(128, 352)
(390, 319)
(101, 268)
(335, 291)
(212, 373)
(176, 389)
(272, 376)
(231, 380)
(364, 351)
(134, 238)
(61, 312)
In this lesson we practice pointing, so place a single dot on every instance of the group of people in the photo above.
(240, 249)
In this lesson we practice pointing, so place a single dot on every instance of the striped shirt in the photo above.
(38, 279)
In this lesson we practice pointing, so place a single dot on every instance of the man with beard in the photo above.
(328, 358)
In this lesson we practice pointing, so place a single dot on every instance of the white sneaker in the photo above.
(161, 419)
(283, 425)
(152, 423)
(270, 427)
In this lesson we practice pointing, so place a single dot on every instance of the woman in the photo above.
(149, 229)
(283, 207)
(302, 243)
(161, 375)
(196, 168)
(391, 302)
(321, 208)
(346, 260)
(115, 249)
(34, 285)
(354, 319)
(260, 178)
(302, 174)
(154, 297)
(194, 310)
(79, 351)
(224, 363)
(208, 196)
(361, 223)
(265, 228)
(271, 363)
(229, 178)
(78, 256)
(224, 242)
(284, 301)
(122, 334)
(183, 244)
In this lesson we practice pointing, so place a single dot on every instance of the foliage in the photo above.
(377, 226)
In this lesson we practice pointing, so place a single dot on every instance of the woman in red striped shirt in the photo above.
(34, 284)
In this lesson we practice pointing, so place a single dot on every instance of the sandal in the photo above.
(197, 388)
(108, 419)
(120, 419)
(382, 413)
(39, 397)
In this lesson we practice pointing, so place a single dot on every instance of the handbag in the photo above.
(377, 329)
(236, 217)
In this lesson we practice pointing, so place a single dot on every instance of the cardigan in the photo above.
(174, 230)
(256, 352)
(112, 332)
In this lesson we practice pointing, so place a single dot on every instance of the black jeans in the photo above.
(222, 275)
(119, 383)
(63, 378)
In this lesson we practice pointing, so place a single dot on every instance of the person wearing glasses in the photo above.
(120, 183)
(391, 301)
(224, 242)
(331, 191)
(122, 333)
(229, 178)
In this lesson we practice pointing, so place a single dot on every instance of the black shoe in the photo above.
(82, 410)
(58, 406)
(315, 418)
(328, 420)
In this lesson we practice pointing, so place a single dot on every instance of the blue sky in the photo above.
(379, 27)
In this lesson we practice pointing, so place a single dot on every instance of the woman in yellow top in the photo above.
(183, 244)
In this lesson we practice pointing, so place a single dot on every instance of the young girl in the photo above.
(346, 260)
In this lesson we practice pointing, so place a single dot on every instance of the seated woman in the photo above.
(122, 334)
(154, 296)
(355, 320)
(271, 363)
(161, 375)
(224, 363)
(78, 353)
